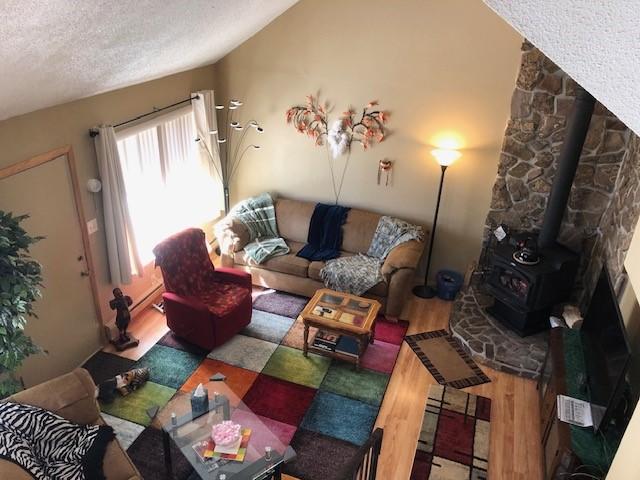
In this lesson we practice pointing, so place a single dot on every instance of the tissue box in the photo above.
(199, 405)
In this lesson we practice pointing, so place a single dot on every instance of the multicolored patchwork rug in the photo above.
(454, 439)
(324, 408)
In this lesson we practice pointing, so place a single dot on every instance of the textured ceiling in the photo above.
(596, 42)
(55, 51)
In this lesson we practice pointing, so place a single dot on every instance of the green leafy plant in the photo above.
(20, 283)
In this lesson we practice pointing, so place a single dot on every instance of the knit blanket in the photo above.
(359, 273)
(258, 215)
(50, 447)
(325, 233)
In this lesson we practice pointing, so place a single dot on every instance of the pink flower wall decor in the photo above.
(366, 128)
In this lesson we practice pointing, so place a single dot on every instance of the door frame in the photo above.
(67, 152)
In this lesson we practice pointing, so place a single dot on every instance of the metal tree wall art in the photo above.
(232, 146)
(367, 129)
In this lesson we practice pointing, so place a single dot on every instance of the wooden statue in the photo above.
(121, 303)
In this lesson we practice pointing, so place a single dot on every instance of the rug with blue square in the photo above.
(323, 407)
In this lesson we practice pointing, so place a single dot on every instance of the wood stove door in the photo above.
(510, 286)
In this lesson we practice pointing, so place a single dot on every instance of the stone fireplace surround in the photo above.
(599, 223)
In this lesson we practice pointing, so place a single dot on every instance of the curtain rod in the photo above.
(93, 132)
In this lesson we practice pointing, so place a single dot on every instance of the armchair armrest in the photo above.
(232, 235)
(178, 302)
(405, 255)
(233, 275)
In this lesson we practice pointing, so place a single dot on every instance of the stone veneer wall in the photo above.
(604, 202)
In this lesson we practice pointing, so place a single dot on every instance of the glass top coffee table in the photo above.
(190, 432)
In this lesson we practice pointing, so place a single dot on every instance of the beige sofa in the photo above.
(297, 275)
(72, 396)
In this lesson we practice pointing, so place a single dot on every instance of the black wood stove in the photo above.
(532, 272)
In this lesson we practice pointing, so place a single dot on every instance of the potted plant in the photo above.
(20, 282)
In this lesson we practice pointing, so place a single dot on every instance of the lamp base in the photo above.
(424, 291)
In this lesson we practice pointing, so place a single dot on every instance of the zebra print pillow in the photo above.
(50, 447)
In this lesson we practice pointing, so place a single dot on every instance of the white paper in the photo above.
(574, 411)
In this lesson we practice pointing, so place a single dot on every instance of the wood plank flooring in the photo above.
(148, 326)
(515, 452)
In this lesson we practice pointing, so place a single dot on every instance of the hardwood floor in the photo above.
(515, 452)
(149, 326)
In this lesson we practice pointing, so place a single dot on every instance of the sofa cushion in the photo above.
(293, 218)
(358, 230)
(289, 263)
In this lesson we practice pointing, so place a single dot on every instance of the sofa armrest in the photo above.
(233, 275)
(405, 255)
(232, 235)
(72, 396)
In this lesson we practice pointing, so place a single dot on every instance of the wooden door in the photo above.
(67, 325)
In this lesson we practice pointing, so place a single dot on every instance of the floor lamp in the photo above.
(445, 158)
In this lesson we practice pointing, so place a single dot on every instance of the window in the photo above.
(169, 186)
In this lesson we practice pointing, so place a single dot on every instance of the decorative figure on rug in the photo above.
(121, 303)
(124, 384)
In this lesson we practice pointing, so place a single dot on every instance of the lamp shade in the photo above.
(446, 156)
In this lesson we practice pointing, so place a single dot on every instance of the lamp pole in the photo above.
(425, 291)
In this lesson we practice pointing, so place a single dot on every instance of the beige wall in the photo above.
(27, 135)
(435, 65)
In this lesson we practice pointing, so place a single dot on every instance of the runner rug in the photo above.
(446, 360)
(454, 439)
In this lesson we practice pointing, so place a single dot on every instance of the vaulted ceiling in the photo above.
(595, 42)
(55, 51)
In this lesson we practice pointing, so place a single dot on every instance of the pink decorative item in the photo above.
(367, 129)
(225, 433)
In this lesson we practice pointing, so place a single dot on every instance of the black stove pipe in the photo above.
(576, 133)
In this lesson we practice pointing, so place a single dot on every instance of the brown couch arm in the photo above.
(72, 396)
(232, 236)
(399, 271)
(405, 255)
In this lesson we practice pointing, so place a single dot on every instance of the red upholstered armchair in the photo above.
(203, 305)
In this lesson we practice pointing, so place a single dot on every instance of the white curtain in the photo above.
(122, 249)
(168, 187)
(204, 111)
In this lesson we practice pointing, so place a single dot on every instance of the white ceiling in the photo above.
(55, 51)
(596, 42)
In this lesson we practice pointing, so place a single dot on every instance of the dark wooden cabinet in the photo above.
(566, 448)
(559, 458)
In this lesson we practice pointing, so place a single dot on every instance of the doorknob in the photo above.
(84, 274)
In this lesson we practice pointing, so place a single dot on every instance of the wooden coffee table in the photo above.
(341, 314)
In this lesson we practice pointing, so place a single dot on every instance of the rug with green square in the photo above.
(134, 406)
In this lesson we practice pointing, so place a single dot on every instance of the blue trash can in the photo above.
(448, 284)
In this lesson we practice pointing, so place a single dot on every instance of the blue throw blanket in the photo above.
(325, 233)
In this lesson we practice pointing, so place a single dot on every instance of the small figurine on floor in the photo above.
(121, 304)
(124, 384)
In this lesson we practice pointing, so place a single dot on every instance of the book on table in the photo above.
(326, 340)
(208, 450)
(347, 346)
